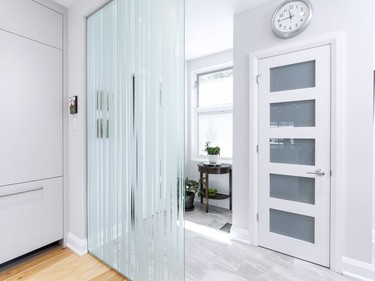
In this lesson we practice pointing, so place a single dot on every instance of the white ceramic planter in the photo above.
(212, 159)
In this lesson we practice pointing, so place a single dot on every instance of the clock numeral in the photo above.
(284, 27)
(301, 9)
(290, 28)
(301, 20)
(291, 7)
(280, 25)
(296, 24)
(285, 10)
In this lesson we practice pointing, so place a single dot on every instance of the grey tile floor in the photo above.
(212, 256)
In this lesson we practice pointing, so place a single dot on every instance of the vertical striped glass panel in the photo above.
(136, 137)
(101, 89)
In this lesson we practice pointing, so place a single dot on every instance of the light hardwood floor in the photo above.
(59, 264)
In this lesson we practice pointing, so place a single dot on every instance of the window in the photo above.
(214, 111)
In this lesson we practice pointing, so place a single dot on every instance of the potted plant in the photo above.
(191, 187)
(212, 191)
(212, 152)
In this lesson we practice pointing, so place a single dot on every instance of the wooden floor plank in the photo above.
(30, 271)
(61, 265)
(34, 261)
(109, 276)
(73, 268)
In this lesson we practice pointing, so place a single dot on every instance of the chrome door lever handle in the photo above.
(318, 172)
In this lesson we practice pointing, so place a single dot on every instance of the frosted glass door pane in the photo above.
(215, 127)
(293, 114)
(292, 225)
(135, 137)
(299, 189)
(292, 76)
(292, 151)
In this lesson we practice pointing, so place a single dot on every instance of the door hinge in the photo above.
(257, 148)
(257, 216)
(330, 172)
(258, 77)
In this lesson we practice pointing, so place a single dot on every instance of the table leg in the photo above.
(201, 186)
(230, 189)
(207, 186)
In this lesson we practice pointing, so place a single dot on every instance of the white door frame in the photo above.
(336, 41)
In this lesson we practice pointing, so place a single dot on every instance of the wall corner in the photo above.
(77, 245)
(240, 235)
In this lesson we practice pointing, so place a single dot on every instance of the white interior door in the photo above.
(294, 154)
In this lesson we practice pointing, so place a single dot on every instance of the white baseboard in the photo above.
(77, 245)
(358, 270)
(239, 234)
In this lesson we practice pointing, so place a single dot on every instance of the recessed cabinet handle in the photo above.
(24, 190)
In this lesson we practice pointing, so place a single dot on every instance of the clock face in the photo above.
(291, 17)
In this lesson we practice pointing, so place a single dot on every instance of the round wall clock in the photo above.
(291, 18)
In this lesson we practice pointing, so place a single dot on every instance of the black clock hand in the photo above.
(284, 19)
(290, 15)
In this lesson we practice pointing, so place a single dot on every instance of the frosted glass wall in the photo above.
(135, 137)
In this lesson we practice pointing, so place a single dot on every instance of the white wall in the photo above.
(191, 169)
(77, 221)
(248, 40)
(252, 32)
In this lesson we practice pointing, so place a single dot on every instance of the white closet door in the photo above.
(30, 110)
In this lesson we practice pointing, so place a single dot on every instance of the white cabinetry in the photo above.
(32, 20)
(31, 216)
(31, 126)
(30, 110)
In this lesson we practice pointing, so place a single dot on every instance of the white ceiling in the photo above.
(66, 3)
(209, 24)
